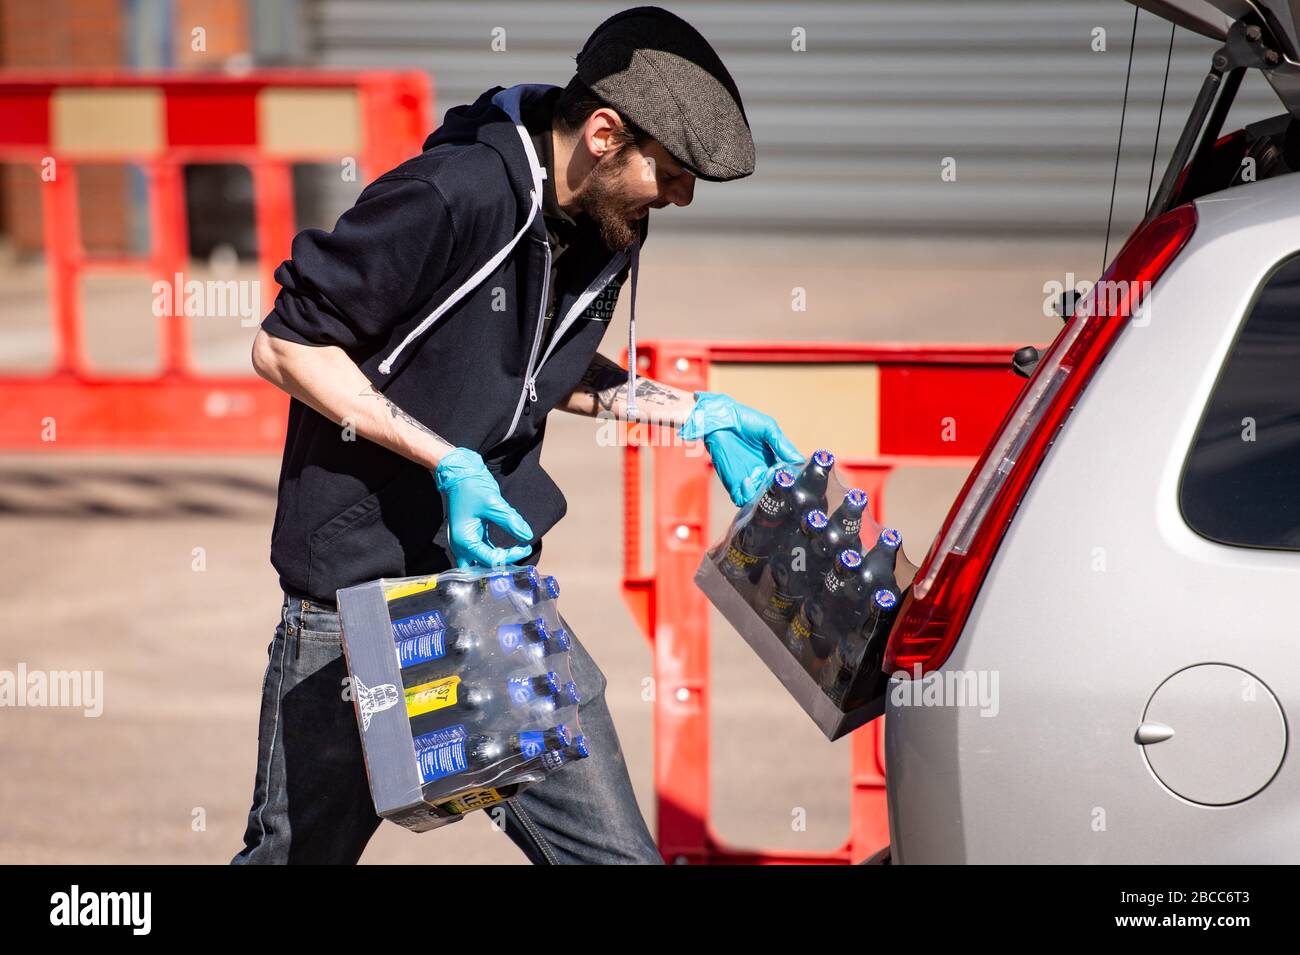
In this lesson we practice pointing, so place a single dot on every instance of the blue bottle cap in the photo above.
(571, 693)
(891, 538)
(816, 519)
(553, 682)
(823, 458)
(561, 639)
(857, 498)
(542, 630)
(850, 559)
(552, 587)
(581, 744)
(885, 599)
(562, 733)
(784, 478)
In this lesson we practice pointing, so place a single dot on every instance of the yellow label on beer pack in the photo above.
(474, 799)
(799, 627)
(428, 697)
(739, 559)
(418, 586)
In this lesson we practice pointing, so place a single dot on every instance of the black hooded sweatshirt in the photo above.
(434, 283)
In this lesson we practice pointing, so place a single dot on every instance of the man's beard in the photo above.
(609, 204)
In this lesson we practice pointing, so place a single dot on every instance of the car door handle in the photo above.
(1149, 733)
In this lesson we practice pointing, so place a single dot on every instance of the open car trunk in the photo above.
(1215, 18)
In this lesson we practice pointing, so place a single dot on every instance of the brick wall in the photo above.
(225, 26)
(91, 35)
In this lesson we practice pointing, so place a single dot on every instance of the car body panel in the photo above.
(1100, 592)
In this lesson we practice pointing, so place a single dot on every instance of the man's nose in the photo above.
(681, 190)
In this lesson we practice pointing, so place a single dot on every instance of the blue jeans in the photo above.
(311, 799)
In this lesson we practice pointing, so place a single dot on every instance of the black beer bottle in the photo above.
(555, 758)
(844, 532)
(750, 547)
(450, 751)
(826, 615)
(809, 489)
(878, 565)
(429, 656)
(504, 596)
(449, 700)
(867, 679)
(856, 648)
(452, 601)
(793, 571)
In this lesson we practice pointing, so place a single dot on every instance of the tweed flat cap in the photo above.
(658, 71)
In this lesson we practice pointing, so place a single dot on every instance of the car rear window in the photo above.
(1241, 483)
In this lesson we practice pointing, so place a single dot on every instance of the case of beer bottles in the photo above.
(463, 690)
(806, 576)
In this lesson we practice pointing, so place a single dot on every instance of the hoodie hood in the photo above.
(494, 119)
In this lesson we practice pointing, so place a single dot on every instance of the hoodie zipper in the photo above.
(597, 286)
(529, 391)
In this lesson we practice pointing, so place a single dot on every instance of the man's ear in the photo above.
(598, 133)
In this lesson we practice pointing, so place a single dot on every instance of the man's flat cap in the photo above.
(659, 72)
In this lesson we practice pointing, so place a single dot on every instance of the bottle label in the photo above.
(553, 760)
(532, 744)
(418, 625)
(737, 561)
(501, 585)
(800, 628)
(852, 526)
(511, 637)
(780, 606)
(769, 509)
(469, 801)
(428, 697)
(441, 754)
(521, 691)
(416, 650)
(417, 586)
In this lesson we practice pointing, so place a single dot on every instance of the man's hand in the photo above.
(473, 500)
(746, 446)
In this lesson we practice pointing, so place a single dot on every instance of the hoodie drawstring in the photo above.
(465, 288)
(631, 333)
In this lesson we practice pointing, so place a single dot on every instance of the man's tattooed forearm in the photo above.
(398, 413)
(606, 383)
(601, 381)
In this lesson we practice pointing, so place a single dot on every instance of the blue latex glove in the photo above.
(473, 499)
(746, 446)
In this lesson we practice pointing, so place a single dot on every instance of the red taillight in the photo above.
(944, 591)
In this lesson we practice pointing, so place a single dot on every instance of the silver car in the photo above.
(1103, 644)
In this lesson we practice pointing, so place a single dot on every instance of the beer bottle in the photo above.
(844, 532)
(451, 750)
(457, 650)
(451, 699)
(879, 563)
(809, 489)
(793, 571)
(850, 651)
(826, 615)
(750, 547)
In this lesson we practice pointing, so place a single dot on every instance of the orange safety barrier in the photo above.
(266, 120)
(879, 407)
